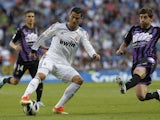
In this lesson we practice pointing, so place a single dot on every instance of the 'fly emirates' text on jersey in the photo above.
(64, 42)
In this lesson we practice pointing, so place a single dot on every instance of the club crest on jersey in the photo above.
(63, 31)
(76, 38)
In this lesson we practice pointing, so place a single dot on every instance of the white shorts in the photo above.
(61, 71)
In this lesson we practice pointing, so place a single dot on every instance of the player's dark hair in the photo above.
(29, 11)
(146, 10)
(77, 10)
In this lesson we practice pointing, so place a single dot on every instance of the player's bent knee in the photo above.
(41, 76)
(14, 81)
(77, 79)
(141, 73)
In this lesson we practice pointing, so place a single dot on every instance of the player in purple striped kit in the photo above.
(22, 42)
(143, 39)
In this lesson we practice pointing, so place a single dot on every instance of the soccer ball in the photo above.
(32, 108)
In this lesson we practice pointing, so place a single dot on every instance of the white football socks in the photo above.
(68, 93)
(32, 86)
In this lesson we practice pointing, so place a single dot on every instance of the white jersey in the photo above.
(64, 42)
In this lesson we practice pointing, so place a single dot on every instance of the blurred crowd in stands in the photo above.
(106, 21)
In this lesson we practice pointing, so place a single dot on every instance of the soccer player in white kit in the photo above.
(66, 38)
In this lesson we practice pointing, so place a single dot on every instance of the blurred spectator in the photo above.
(105, 20)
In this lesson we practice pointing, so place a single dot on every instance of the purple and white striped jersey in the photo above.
(143, 42)
(27, 37)
(64, 43)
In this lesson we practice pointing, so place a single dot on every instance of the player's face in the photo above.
(30, 18)
(145, 21)
(74, 20)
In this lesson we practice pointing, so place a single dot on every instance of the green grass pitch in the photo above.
(94, 101)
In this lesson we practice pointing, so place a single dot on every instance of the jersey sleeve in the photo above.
(158, 32)
(128, 36)
(87, 45)
(17, 36)
(47, 34)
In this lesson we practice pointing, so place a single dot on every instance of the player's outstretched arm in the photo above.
(46, 35)
(17, 47)
(121, 49)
